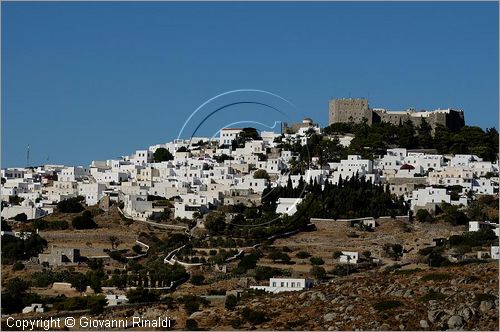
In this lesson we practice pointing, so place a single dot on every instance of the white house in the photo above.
(116, 299)
(352, 166)
(350, 257)
(495, 252)
(63, 188)
(27, 207)
(228, 135)
(73, 173)
(288, 205)
(475, 226)
(451, 176)
(138, 207)
(485, 186)
(277, 285)
(110, 176)
(92, 192)
(272, 166)
(422, 197)
(464, 160)
(256, 185)
(393, 159)
(12, 173)
(427, 161)
(34, 307)
(142, 157)
(190, 204)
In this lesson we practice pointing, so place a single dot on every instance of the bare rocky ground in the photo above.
(467, 300)
(332, 236)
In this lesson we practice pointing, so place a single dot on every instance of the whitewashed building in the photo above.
(278, 285)
(288, 205)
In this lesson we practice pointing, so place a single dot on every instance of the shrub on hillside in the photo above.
(340, 270)
(191, 324)
(387, 305)
(317, 261)
(254, 317)
(473, 239)
(484, 297)
(424, 216)
(318, 272)
(42, 224)
(70, 205)
(197, 279)
(231, 302)
(303, 255)
(84, 221)
(18, 266)
(140, 295)
(14, 248)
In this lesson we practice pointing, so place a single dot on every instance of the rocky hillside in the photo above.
(457, 298)
(454, 298)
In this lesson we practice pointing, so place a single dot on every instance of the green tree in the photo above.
(317, 261)
(395, 251)
(248, 134)
(318, 272)
(261, 174)
(191, 324)
(231, 302)
(79, 281)
(95, 263)
(424, 216)
(425, 135)
(12, 298)
(197, 279)
(255, 317)
(70, 205)
(84, 221)
(14, 248)
(115, 241)
(17, 286)
(407, 137)
(453, 215)
(303, 254)
(97, 304)
(162, 154)
(337, 254)
(140, 295)
(18, 266)
(95, 279)
(214, 223)
(191, 304)
(137, 249)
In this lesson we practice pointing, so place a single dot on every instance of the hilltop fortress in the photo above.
(357, 109)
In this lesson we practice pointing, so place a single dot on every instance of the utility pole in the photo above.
(28, 156)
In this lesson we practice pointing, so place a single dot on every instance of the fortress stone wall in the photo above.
(357, 109)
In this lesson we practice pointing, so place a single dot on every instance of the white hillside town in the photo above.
(205, 173)
(219, 166)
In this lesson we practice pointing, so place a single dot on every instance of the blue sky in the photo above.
(93, 81)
